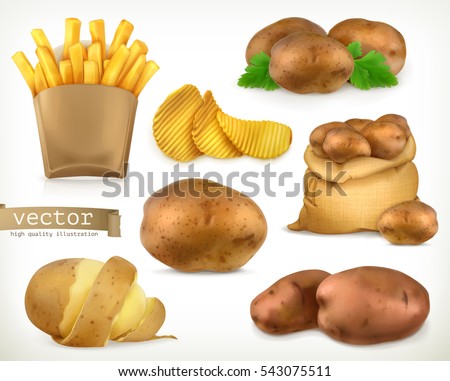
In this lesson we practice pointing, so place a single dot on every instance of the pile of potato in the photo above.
(304, 59)
(384, 138)
(363, 305)
(409, 223)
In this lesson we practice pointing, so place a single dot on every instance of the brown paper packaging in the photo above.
(85, 130)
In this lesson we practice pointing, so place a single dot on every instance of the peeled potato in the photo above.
(260, 139)
(207, 133)
(172, 124)
(85, 303)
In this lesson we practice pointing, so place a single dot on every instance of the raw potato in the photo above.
(373, 35)
(387, 139)
(368, 305)
(358, 123)
(318, 136)
(398, 120)
(408, 223)
(344, 144)
(195, 224)
(85, 303)
(310, 63)
(289, 305)
(264, 40)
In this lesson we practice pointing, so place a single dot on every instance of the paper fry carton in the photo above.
(85, 130)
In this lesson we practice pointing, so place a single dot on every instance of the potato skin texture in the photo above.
(264, 40)
(387, 139)
(289, 305)
(408, 223)
(310, 63)
(373, 35)
(369, 305)
(319, 134)
(48, 294)
(358, 123)
(344, 144)
(195, 225)
(398, 120)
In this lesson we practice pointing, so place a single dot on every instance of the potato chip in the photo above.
(172, 124)
(207, 133)
(260, 139)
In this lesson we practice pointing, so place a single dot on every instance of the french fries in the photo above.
(76, 59)
(80, 63)
(65, 68)
(115, 66)
(39, 79)
(73, 28)
(41, 39)
(26, 70)
(121, 37)
(97, 29)
(90, 73)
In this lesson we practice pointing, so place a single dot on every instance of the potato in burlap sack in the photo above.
(349, 197)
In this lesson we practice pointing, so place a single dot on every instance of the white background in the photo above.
(203, 43)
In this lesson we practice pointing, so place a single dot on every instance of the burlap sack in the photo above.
(349, 197)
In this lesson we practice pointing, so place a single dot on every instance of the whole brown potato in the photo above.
(318, 135)
(310, 63)
(373, 35)
(344, 144)
(289, 305)
(387, 139)
(398, 120)
(358, 123)
(408, 223)
(368, 305)
(196, 224)
(263, 40)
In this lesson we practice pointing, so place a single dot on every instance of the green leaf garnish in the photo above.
(355, 49)
(257, 74)
(371, 70)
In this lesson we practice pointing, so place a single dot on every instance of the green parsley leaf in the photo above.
(371, 70)
(257, 74)
(355, 49)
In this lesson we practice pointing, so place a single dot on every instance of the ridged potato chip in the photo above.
(207, 133)
(172, 124)
(260, 139)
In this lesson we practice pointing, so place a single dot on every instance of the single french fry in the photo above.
(115, 66)
(41, 39)
(76, 59)
(85, 52)
(130, 80)
(105, 64)
(39, 79)
(136, 49)
(26, 70)
(65, 68)
(91, 76)
(149, 70)
(72, 35)
(121, 37)
(49, 67)
(97, 29)
(95, 54)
